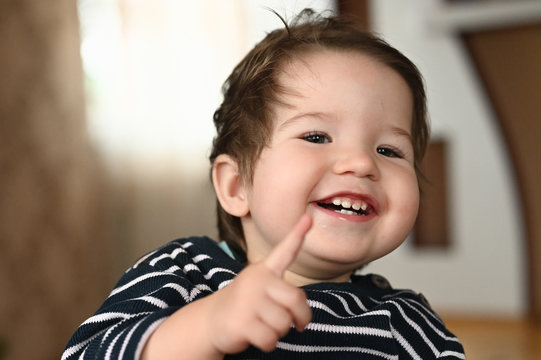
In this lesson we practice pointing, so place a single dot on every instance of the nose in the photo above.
(358, 162)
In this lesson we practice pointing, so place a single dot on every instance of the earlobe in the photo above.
(229, 186)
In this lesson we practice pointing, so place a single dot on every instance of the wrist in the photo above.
(185, 334)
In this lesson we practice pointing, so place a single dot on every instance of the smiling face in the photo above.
(340, 151)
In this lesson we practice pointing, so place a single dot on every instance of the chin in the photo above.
(344, 260)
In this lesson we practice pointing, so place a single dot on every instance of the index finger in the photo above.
(287, 250)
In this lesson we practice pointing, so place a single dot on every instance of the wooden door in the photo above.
(508, 61)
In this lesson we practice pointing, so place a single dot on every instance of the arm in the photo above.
(257, 308)
(149, 292)
(183, 335)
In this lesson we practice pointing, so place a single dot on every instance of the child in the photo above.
(315, 167)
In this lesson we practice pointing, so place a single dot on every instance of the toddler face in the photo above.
(341, 152)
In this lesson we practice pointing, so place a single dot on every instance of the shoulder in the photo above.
(416, 326)
(370, 302)
(193, 249)
(366, 293)
(192, 260)
(382, 294)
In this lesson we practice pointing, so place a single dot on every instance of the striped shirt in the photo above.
(362, 319)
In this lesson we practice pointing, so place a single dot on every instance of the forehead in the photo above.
(321, 61)
(343, 81)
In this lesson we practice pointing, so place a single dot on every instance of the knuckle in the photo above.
(297, 297)
(269, 343)
(265, 341)
(284, 326)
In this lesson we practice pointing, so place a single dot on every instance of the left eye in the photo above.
(316, 137)
(389, 152)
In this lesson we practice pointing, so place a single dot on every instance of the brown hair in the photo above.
(244, 119)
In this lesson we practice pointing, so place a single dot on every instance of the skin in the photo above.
(345, 134)
(256, 309)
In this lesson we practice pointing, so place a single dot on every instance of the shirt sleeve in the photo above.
(154, 288)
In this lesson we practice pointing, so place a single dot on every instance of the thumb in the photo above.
(285, 253)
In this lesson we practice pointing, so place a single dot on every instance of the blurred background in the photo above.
(106, 124)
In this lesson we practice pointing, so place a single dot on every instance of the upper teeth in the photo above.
(346, 203)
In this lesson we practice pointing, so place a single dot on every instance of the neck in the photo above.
(299, 280)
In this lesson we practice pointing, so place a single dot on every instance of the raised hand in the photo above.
(258, 307)
(285, 253)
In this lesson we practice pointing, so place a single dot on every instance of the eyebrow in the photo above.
(300, 116)
(401, 132)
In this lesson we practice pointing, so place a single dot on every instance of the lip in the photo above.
(370, 200)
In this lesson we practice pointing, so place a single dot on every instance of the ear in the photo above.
(229, 186)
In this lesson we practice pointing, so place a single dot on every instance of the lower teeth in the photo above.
(347, 212)
(343, 211)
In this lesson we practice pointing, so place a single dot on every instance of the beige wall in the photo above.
(487, 252)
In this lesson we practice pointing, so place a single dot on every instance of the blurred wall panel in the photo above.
(54, 238)
(508, 62)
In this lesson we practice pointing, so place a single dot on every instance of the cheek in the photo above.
(405, 195)
(272, 186)
(282, 169)
(410, 206)
(281, 187)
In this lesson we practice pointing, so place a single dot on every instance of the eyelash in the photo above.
(318, 137)
(390, 151)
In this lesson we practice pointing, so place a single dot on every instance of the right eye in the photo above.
(316, 137)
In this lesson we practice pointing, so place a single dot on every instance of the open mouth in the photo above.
(347, 206)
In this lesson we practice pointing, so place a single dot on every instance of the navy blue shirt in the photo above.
(362, 319)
